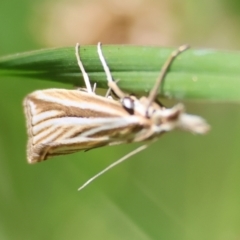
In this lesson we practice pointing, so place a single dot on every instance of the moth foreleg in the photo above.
(111, 83)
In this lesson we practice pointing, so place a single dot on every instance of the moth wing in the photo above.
(63, 121)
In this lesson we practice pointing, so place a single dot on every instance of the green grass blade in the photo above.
(195, 74)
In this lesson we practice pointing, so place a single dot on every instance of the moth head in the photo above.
(168, 119)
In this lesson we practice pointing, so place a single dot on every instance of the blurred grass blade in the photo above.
(195, 74)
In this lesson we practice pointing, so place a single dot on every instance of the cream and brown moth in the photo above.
(61, 121)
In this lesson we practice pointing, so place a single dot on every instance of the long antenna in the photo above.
(153, 93)
(139, 149)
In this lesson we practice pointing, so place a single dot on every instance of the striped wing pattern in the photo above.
(63, 121)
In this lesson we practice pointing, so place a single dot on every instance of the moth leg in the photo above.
(85, 75)
(94, 87)
(159, 83)
(110, 91)
(111, 84)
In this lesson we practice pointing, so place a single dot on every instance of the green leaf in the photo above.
(195, 74)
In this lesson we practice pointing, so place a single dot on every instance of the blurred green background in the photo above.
(182, 187)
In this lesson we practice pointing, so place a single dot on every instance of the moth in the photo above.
(61, 121)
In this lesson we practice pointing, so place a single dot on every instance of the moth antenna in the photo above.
(113, 85)
(107, 95)
(85, 75)
(153, 93)
(139, 149)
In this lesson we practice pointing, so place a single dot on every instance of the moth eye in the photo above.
(128, 104)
